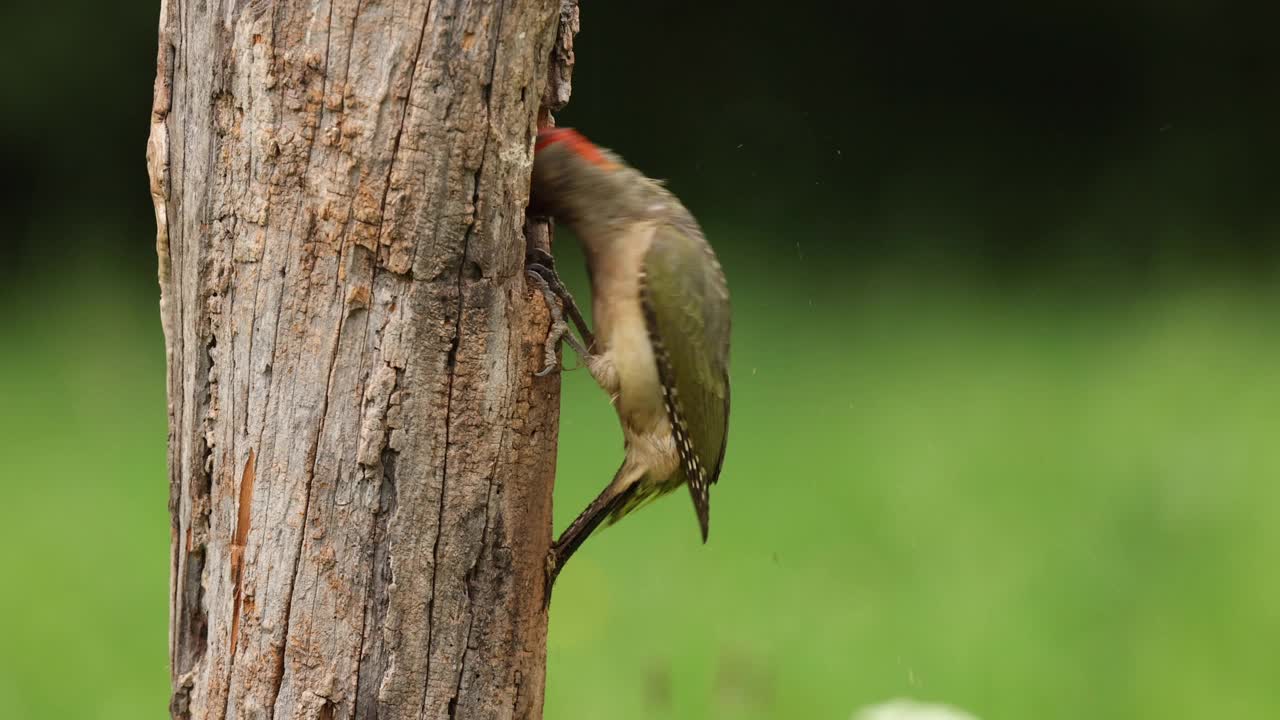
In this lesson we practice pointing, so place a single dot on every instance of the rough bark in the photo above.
(360, 456)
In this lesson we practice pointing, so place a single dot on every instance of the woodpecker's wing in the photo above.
(686, 306)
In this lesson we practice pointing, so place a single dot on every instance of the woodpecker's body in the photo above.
(661, 311)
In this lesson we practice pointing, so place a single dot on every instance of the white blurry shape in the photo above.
(911, 710)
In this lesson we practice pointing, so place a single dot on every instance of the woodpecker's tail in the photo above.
(605, 504)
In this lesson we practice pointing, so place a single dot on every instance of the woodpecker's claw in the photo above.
(559, 301)
(542, 263)
(558, 327)
(538, 256)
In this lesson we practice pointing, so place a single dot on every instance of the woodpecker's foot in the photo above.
(558, 327)
(558, 331)
(558, 302)
(541, 262)
(538, 256)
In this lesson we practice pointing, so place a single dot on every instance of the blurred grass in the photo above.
(1030, 503)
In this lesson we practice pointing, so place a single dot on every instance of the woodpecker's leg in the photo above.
(559, 330)
(613, 497)
(541, 262)
(541, 270)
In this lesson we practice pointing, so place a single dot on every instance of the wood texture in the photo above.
(360, 456)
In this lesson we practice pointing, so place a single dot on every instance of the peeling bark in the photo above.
(360, 455)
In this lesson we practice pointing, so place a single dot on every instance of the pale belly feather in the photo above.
(625, 368)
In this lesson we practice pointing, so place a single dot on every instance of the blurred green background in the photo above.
(1006, 378)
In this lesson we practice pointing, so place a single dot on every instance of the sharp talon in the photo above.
(538, 256)
(558, 328)
(570, 305)
(559, 303)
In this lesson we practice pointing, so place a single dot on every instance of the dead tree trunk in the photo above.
(360, 457)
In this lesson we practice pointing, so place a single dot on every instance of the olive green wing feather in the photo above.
(686, 307)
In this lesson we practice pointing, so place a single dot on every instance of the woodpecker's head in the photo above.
(570, 173)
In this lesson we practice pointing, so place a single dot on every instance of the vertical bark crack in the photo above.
(244, 517)
(457, 333)
(306, 517)
(404, 115)
(381, 576)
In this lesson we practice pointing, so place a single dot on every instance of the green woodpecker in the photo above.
(661, 343)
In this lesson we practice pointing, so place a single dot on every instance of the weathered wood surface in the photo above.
(360, 457)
